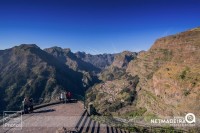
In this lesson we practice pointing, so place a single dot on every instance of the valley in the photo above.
(161, 82)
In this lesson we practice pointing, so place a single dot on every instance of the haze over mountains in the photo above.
(164, 81)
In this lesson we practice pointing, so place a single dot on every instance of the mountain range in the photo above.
(27, 70)
(163, 81)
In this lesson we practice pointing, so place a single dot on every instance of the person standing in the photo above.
(26, 105)
(66, 96)
(62, 97)
(69, 95)
(31, 105)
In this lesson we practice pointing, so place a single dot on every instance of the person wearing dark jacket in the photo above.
(69, 96)
(31, 105)
(25, 105)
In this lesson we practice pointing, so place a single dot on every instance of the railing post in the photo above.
(84, 85)
(84, 101)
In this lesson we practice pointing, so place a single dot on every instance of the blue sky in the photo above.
(94, 26)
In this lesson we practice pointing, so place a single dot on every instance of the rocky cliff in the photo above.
(169, 75)
(163, 81)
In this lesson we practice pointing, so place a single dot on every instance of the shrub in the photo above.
(92, 96)
(127, 90)
(115, 106)
(138, 112)
(183, 74)
(186, 92)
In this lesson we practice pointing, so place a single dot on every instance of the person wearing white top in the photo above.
(62, 97)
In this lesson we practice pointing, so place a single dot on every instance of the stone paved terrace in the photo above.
(72, 116)
(51, 119)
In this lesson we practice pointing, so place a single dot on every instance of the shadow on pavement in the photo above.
(44, 111)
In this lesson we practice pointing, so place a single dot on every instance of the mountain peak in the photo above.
(195, 29)
(25, 46)
(58, 49)
(182, 40)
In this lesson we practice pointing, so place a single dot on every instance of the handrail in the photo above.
(11, 116)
